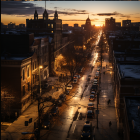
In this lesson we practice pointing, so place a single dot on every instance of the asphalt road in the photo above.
(72, 114)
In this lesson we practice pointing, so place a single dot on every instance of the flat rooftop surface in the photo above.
(132, 104)
(132, 71)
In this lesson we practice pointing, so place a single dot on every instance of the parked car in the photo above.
(58, 102)
(94, 93)
(81, 69)
(90, 114)
(87, 131)
(94, 88)
(90, 106)
(92, 97)
(54, 110)
(95, 83)
(75, 81)
(62, 97)
(69, 86)
(75, 77)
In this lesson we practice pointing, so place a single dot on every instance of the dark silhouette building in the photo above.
(110, 23)
(46, 26)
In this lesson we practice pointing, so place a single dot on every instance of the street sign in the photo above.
(97, 111)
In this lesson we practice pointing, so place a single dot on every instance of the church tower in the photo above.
(45, 15)
(35, 15)
(55, 15)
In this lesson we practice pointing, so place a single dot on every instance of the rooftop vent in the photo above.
(133, 124)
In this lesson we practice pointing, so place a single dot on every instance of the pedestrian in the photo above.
(110, 123)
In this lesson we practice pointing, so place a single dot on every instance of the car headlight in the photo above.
(81, 135)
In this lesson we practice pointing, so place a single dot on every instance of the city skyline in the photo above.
(71, 12)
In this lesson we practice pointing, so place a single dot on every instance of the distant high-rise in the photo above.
(110, 23)
(88, 24)
(126, 23)
(75, 25)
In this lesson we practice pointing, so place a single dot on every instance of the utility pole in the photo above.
(38, 136)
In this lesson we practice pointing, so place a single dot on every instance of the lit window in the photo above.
(51, 31)
(51, 25)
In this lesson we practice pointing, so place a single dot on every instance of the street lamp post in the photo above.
(40, 67)
(38, 137)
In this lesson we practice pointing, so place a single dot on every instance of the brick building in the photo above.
(16, 80)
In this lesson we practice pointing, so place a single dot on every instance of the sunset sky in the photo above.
(71, 12)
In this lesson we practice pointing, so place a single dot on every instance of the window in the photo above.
(23, 90)
(51, 31)
(51, 25)
(23, 74)
(48, 25)
(28, 86)
(28, 74)
(33, 65)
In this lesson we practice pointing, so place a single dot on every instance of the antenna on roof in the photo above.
(45, 4)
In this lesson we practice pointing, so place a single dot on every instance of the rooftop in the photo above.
(132, 104)
(130, 71)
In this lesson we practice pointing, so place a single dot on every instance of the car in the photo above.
(92, 97)
(75, 77)
(86, 131)
(93, 93)
(97, 73)
(95, 79)
(98, 69)
(67, 92)
(57, 102)
(81, 69)
(69, 86)
(90, 106)
(94, 88)
(54, 110)
(62, 97)
(96, 76)
(75, 81)
(95, 83)
(89, 114)
(78, 76)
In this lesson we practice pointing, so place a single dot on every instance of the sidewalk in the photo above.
(13, 132)
(106, 112)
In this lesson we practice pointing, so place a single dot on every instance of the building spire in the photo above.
(45, 4)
